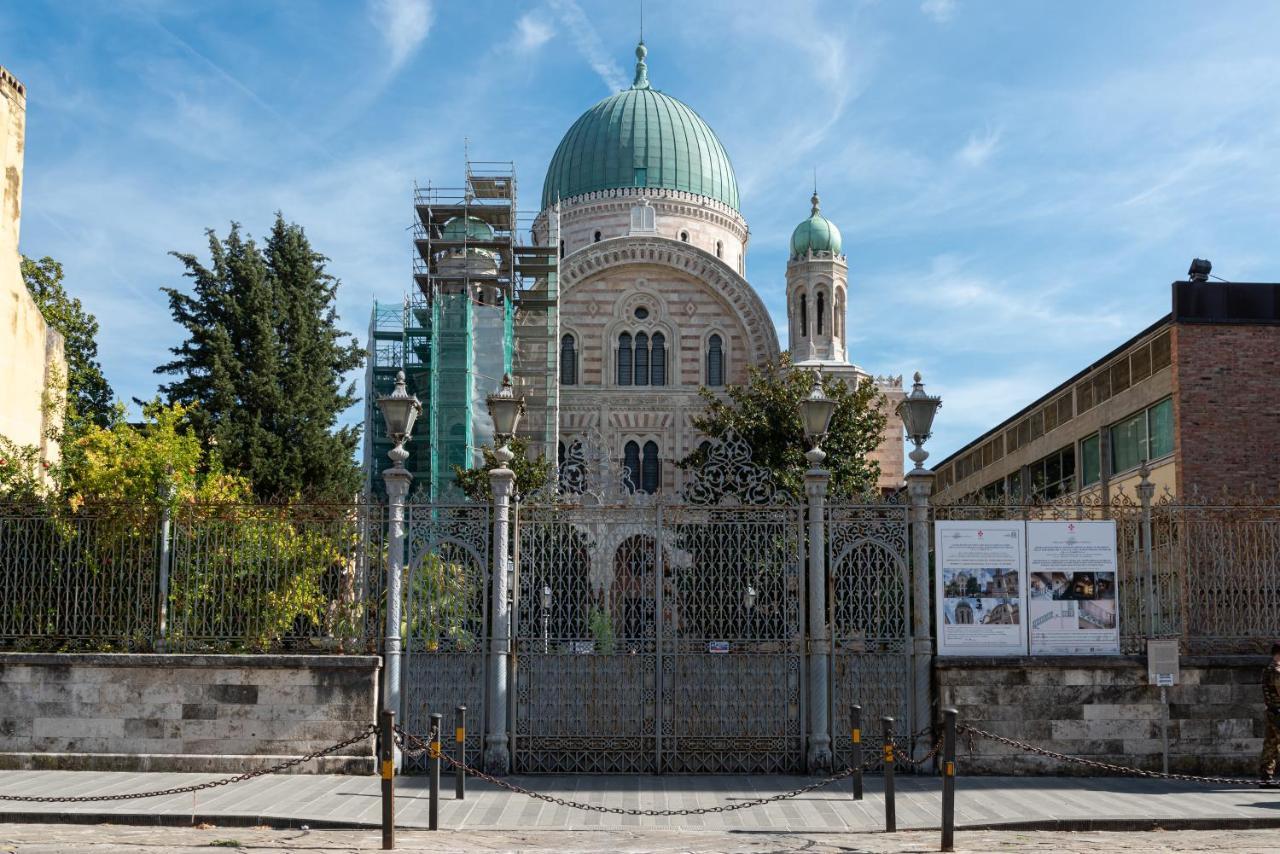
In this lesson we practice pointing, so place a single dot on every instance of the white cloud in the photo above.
(980, 147)
(404, 25)
(532, 32)
(587, 42)
(940, 10)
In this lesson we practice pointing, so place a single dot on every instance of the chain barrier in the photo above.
(1102, 766)
(197, 787)
(410, 742)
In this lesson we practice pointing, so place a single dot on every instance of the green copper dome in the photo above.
(815, 234)
(472, 227)
(640, 138)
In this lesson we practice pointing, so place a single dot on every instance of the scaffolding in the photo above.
(485, 304)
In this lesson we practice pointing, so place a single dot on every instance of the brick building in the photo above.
(1196, 395)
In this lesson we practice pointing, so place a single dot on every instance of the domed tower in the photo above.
(817, 281)
(461, 260)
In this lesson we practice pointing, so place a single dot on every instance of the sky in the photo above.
(1017, 183)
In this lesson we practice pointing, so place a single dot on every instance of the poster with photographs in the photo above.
(980, 581)
(1071, 588)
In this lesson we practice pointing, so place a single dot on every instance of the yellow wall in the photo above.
(31, 354)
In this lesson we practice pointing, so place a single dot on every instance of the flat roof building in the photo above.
(1196, 395)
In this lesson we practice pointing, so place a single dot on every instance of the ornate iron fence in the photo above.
(236, 578)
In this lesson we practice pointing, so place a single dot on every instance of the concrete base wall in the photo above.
(1103, 709)
(215, 713)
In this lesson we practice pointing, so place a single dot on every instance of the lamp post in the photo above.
(917, 411)
(399, 411)
(505, 409)
(816, 411)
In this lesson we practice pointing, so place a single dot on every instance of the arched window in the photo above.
(568, 361)
(631, 459)
(624, 359)
(597, 240)
(715, 361)
(650, 469)
(822, 312)
(719, 249)
(804, 316)
(658, 360)
(684, 235)
(561, 248)
(642, 359)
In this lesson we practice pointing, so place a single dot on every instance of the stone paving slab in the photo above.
(335, 801)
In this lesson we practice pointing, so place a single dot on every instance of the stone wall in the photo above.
(1103, 709)
(220, 713)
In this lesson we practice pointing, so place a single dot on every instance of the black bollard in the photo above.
(387, 763)
(855, 714)
(890, 809)
(460, 736)
(949, 780)
(433, 810)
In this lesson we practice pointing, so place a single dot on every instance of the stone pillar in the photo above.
(1146, 492)
(818, 757)
(397, 479)
(497, 754)
(919, 488)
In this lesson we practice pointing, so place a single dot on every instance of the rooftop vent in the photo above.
(1200, 268)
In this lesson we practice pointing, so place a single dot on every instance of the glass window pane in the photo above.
(649, 469)
(631, 459)
(1127, 439)
(624, 359)
(642, 359)
(1161, 425)
(1090, 460)
(658, 360)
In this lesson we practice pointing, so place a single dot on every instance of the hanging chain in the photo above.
(212, 784)
(1101, 766)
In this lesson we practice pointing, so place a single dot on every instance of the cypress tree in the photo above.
(263, 363)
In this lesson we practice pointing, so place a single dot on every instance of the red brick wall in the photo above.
(1226, 393)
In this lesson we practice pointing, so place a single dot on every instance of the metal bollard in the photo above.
(856, 732)
(949, 780)
(890, 809)
(387, 757)
(433, 810)
(460, 736)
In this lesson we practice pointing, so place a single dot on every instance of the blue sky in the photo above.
(1017, 182)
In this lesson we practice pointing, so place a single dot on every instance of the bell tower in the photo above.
(817, 285)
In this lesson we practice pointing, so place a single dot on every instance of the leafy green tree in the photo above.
(766, 414)
(264, 359)
(89, 395)
(531, 474)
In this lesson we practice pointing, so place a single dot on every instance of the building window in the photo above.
(1054, 475)
(1090, 460)
(715, 362)
(642, 313)
(684, 235)
(568, 361)
(719, 249)
(631, 460)
(804, 316)
(1147, 435)
(658, 359)
(597, 237)
(650, 469)
(822, 312)
(561, 248)
(642, 359)
(624, 359)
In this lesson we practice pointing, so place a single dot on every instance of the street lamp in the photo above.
(917, 411)
(815, 412)
(505, 409)
(399, 410)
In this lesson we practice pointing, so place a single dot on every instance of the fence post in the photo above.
(433, 810)
(949, 780)
(497, 753)
(166, 561)
(815, 487)
(919, 488)
(387, 767)
(855, 716)
(890, 809)
(397, 480)
(1146, 491)
(460, 736)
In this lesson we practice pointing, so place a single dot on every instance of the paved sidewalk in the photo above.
(334, 801)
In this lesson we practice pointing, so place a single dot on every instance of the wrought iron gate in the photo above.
(446, 612)
(868, 601)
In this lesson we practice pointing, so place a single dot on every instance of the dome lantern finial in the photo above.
(816, 205)
(642, 70)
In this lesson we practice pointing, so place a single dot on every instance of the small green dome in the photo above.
(640, 138)
(471, 227)
(815, 234)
